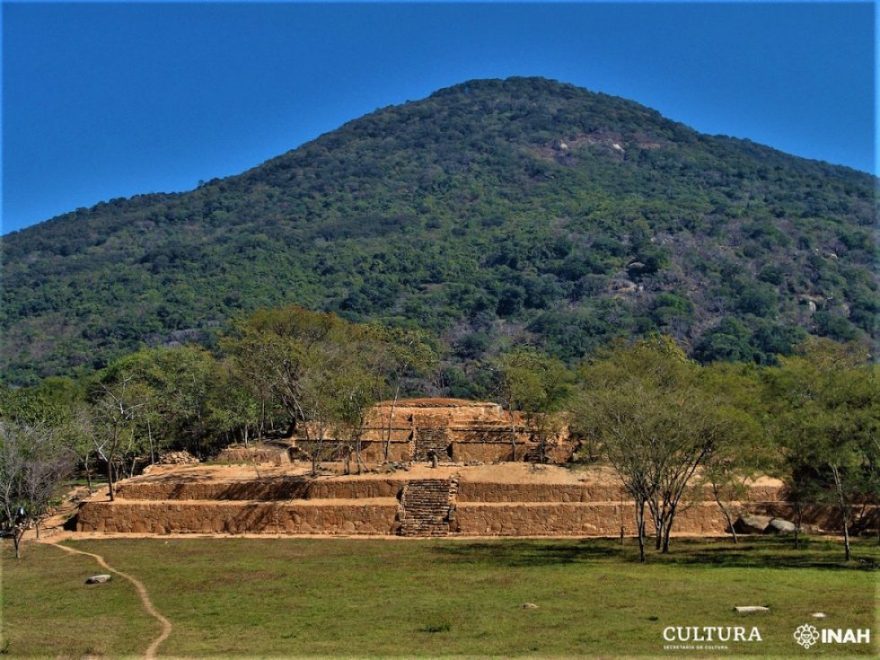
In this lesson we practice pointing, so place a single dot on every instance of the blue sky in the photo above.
(109, 100)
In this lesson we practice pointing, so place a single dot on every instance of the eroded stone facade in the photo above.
(455, 430)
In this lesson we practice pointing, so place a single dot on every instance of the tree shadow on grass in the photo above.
(774, 552)
(758, 553)
(530, 553)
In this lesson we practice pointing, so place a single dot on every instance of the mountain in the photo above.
(491, 212)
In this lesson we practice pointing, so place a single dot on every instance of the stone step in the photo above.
(424, 508)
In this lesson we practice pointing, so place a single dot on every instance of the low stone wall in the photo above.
(198, 517)
(300, 487)
(481, 491)
(372, 452)
(484, 491)
(267, 489)
(574, 519)
(258, 455)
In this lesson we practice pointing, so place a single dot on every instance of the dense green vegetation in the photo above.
(359, 597)
(493, 213)
(661, 419)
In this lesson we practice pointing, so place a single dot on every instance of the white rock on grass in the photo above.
(99, 579)
(749, 609)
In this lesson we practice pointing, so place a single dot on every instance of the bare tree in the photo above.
(115, 412)
(32, 466)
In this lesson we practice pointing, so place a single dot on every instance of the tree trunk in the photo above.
(110, 479)
(17, 534)
(656, 517)
(844, 511)
(730, 525)
(799, 516)
(512, 434)
(387, 448)
(667, 529)
(640, 528)
(725, 511)
(88, 476)
(152, 447)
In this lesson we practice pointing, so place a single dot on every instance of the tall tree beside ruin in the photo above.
(59, 406)
(655, 423)
(745, 453)
(323, 371)
(405, 353)
(116, 407)
(535, 384)
(181, 382)
(827, 410)
(233, 410)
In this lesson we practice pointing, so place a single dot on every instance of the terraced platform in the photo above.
(510, 499)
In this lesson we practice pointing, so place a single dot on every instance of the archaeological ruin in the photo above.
(432, 467)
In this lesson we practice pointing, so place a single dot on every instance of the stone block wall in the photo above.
(486, 491)
(266, 489)
(199, 517)
(574, 519)
(258, 455)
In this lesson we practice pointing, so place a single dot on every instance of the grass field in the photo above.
(270, 597)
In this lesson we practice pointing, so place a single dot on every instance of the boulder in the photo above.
(99, 579)
(749, 524)
(780, 526)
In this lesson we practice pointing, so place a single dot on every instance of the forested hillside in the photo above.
(491, 213)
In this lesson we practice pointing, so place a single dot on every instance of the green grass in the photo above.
(262, 597)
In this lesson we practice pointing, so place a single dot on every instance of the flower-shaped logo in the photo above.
(806, 635)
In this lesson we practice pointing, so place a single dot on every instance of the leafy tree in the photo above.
(232, 410)
(656, 423)
(535, 384)
(827, 406)
(323, 371)
(116, 408)
(175, 384)
(401, 353)
(728, 341)
(746, 451)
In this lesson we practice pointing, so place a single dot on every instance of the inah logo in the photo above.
(806, 635)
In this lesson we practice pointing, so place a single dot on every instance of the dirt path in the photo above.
(142, 592)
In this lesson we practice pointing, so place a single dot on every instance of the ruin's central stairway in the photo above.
(424, 508)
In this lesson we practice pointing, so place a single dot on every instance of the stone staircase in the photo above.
(425, 506)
